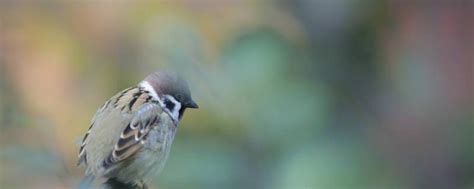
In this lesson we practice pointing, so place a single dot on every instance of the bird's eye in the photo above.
(179, 97)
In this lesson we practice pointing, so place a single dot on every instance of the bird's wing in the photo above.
(133, 136)
(82, 151)
(121, 102)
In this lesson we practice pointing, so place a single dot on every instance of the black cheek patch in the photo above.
(169, 104)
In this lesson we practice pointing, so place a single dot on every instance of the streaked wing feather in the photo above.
(133, 136)
(82, 153)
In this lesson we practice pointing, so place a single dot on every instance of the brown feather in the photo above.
(132, 137)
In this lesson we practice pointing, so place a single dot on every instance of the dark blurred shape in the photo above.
(115, 184)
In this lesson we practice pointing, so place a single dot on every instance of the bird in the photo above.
(130, 135)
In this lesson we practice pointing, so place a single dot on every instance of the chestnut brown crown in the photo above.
(171, 83)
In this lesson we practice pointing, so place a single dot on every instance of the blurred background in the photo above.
(293, 94)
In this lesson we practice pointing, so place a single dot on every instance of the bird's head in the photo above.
(172, 91)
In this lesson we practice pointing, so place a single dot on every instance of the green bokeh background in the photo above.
(292, 94)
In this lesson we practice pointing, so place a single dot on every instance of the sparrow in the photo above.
(130, 136)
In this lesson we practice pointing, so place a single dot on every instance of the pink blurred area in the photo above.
(62, 60)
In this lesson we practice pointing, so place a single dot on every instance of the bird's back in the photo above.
(108, 124)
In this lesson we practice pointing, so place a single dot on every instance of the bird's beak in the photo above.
(192, 104)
